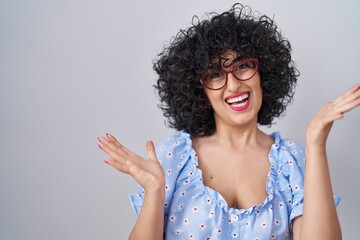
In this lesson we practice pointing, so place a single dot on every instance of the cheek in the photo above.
(212, 96)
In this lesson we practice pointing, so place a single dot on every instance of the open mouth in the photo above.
(238, 101)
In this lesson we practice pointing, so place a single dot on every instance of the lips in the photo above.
(239, 101)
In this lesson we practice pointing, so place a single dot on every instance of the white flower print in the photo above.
(191, 236)
(294, 152)
(181, 194)
(273, 165)
(166, 205)
(178, 232)
(257, 211)
(195, 209)
(234, 234)
(169, 155)
(180, 165)
(277, 222)
(167, 187)
(208, 238)
(281, 205)
(264, 224)
(186, 182)
(172, 218)
(183, 156)
(208, 200)
(270, 207)
(291, 142)
(181, 206)
(256, 238)
(273, 236)
(211, 214)
(168, 172)
(279, 171)
(162, 148)
(176, 143)
(190, 173)
(202, 226)
(186, 221)
(218, 231)
(290, 162)
(289, 201)
(296, 188)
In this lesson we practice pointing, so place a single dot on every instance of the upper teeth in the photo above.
(237, 99)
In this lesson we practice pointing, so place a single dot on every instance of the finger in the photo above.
(118, 156)
(118, 148)
(117, 166)
(349, 106)
(105, 142)
(150, 149)
(353, 92)
(113, 140)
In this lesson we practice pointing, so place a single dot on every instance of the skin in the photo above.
(237, 134)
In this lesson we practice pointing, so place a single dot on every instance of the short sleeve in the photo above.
(172, 154)
(294, 163)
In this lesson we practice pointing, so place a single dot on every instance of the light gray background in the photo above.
(72, 70)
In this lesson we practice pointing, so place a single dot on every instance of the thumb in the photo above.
(150, 149)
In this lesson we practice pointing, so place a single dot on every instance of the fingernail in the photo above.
(106, 161)
(100, 147)
(99, 139)
(107, 134)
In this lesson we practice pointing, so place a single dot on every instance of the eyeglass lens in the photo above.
(243, 70)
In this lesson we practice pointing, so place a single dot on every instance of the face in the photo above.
(238, 102)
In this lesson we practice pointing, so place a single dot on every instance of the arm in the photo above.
(150, 175)
(319, 219)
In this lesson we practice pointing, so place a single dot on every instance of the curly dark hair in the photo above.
(192, 51)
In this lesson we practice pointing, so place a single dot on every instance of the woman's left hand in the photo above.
(320, 126)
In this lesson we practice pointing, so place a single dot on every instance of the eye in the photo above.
(214, 75)
(243, 66)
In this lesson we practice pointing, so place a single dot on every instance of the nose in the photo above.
(233, 84)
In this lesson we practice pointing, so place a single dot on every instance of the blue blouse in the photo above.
(195, 211)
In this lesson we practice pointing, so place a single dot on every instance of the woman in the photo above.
(220, 176)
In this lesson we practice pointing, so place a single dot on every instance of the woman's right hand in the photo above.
(148, 173)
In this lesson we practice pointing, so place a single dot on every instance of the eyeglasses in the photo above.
(242, 70)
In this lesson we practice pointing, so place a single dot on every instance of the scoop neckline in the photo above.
(269, 181)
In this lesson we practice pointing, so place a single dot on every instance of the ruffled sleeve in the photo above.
(294, 156)
(172, 154)
(291, 158)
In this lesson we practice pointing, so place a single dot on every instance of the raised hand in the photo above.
(320, 126)
(148, 173)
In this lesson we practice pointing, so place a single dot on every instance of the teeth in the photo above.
(238, 104)
(237, 99)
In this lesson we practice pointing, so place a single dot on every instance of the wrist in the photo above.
(156, 189)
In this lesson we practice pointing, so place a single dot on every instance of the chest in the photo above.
(240, 180)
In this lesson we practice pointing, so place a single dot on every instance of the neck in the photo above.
(238, 137)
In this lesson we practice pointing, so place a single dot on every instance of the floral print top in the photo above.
(195, 211)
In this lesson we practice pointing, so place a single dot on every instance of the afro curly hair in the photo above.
(191, 52)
